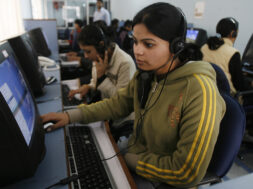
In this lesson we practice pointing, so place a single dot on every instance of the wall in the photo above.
(26, 9)
(214, 11)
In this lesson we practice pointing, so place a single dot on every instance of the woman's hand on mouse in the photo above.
(59, 119)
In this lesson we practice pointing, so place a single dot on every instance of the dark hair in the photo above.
(100, 1)
(78, 22)
(191, 52)
(115, 22)
(92, 35)
(128, 23)
(168, 23)
(163, 20)
(224, 27)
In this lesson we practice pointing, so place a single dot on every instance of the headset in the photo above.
(236, 24)
(177, 44)
(101, 47)
(232, 26)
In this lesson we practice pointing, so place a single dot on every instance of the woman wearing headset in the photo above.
(177, 106)
(219, 50)
(114, 67)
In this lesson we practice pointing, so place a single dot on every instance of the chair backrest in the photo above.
(231, 129)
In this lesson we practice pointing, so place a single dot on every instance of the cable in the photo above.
(64, 181)
(70, 179)
(138, 128)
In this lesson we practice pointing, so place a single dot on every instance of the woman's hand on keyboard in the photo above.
(83, 90)
(59, 120)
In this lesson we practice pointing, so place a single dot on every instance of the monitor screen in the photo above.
(19, 100)
(39, 42)
(22, 134)
(248, 52)
(192, 34)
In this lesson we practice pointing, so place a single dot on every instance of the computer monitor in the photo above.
(196, 35)
(192, 34)
(21, 131)
(28, 59)
(248, 53)
(39, 42)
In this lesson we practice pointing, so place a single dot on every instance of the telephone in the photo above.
(44, 61)
(47, 63)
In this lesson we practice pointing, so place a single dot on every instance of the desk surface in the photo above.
(243, 182)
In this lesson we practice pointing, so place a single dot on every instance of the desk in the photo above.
(244, 182)
(54, 166)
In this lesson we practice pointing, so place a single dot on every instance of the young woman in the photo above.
(177, 105)
(114, 67)
(219, 50)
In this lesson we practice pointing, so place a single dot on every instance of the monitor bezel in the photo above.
(20, 160)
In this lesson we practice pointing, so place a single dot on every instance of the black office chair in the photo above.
(231, 133)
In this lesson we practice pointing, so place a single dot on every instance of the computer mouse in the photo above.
(47, 126)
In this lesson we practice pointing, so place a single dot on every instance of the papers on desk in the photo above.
(70, 63)
(73, 84)
(65, 63)
(63, 42)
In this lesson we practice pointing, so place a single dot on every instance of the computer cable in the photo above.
(139, 122)
(70, 179)
(64, 181)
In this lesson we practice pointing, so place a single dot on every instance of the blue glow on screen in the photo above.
(192, 34)
(17, 96)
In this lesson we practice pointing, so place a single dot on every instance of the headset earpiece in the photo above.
(234, 34)
(177, 45)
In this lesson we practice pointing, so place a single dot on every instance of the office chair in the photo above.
(231, 133)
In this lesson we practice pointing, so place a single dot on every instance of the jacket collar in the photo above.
(228, 41)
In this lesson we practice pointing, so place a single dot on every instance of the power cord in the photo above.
(65, 181)
(70, 179)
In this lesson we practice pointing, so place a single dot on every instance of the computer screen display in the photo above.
(248, 52)
(192, 34)
(17, 96)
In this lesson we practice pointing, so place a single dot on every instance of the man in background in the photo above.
(101, 13)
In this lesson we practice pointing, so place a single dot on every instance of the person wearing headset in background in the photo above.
(220, 51)
(114, 67)
(177, 106)
(101, 13)
(78, 24)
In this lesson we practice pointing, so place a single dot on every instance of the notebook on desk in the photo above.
(86, 158)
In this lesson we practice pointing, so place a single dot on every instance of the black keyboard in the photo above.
(65, 99)
(64, 58)
(84, 159)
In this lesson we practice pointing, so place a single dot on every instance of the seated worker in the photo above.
(178, 108)
(123, 33)
(114, 67)
(78, 24)
(220, 51)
